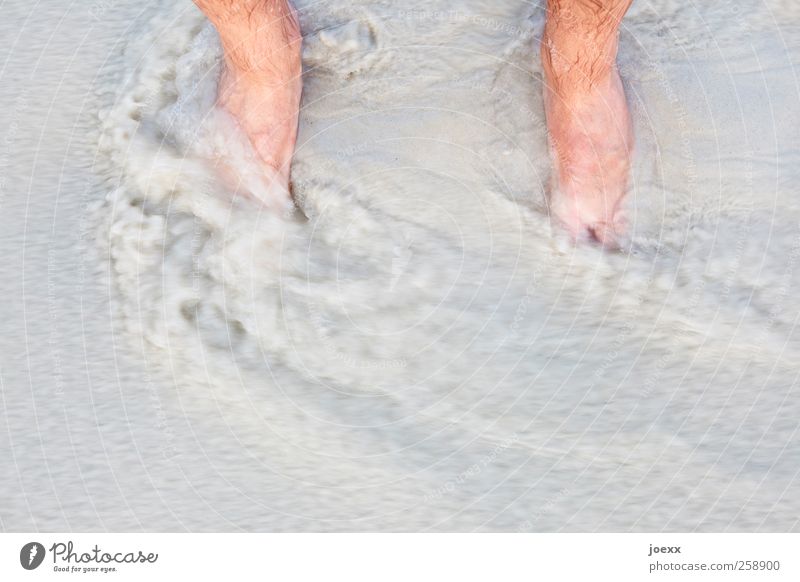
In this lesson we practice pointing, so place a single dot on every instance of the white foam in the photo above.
(426, 277)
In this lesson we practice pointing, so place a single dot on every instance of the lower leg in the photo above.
(261, 82)
(587, 114)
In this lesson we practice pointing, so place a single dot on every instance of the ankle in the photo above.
(266, 39)
(577, 73)
(579, 54)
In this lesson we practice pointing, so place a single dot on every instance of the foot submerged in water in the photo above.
(261, 82)
(588, 122)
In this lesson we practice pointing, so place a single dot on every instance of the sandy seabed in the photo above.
(414, 348)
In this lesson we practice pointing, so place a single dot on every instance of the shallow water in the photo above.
(414, 348)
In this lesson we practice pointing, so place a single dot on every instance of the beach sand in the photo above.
(415, 348)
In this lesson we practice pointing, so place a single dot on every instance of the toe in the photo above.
(603, 233)
(587, 222)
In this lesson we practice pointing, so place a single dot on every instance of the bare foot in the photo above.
(261, 83)
(588, 121)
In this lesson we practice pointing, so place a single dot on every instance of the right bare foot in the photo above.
(261, 82)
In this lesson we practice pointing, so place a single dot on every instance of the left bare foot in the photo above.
(589, 126)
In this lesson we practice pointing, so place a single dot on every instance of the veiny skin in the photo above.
(588, 122)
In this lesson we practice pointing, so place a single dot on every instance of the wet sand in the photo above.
(415, 348)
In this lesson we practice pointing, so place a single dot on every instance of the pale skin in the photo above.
(261, 81)
(589, 127)
(588, 122)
